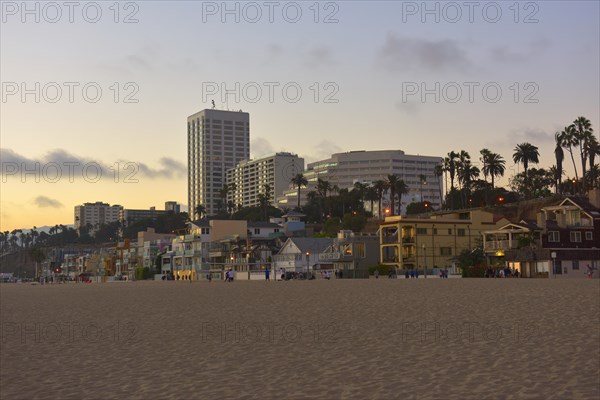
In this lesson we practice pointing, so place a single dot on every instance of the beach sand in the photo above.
(339, 339)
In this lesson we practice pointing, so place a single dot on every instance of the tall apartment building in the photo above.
(345, 169)
(249, 177)
(217, 141)
(96, 214)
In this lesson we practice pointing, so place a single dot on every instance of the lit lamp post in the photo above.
(425, 262)
(553, 255)
(307, 267)
(232, 267)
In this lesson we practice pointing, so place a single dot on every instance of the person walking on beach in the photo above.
(590, 271)
(209, 277)
(267, 273)
(376, 274)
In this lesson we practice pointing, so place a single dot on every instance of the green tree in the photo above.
(299, 181)
(381, 188)
(392, 181)
(493, 165)
(583, 133)
(526, 153)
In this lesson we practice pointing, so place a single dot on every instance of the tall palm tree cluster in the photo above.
(329, 200)
(577, 139)
(17, 239)
(579, 134)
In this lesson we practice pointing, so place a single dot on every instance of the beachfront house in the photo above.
(301, 255)
(352, 253)
(431, 243)
(561, 243)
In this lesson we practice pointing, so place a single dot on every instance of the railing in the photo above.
(390, 239)
(336, 255)
(499, 245)
(408, 239)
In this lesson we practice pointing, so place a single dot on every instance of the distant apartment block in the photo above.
(128, 216)
(172, 206)
(96, 214)
(249, 178)
(345, 169)
(217, 141)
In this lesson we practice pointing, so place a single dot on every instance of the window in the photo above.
(460, 232)
(445, 251)
(276, 230)
(421, 231)
(589, 236)
(553, 236)
(435, 231)
(205, 231)
(575, 236)
(257, 231)
(359, 250)
(449, 231)
(575, 264)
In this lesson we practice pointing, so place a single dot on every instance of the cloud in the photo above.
(319, 56)
(530, 135)
(60, 164)
(261, 147)
(506, 55)
(171, 168)
(323, 150)
(409, 54)
(43, 201)
(274, 50)
(408, 107)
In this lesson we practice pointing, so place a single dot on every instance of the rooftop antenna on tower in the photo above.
(213, 104)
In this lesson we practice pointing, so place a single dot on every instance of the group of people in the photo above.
(229, 275)
(501, 273)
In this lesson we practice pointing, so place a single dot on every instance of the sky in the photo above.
(95, 95)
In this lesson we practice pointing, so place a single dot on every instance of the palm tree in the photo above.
(485, 156)
(438, 172)
(583, 133)
(392, 181)
(401, 188)
(299, 181)
(592, 149)
(199, 211)
(559, 155)
(452, 156)
(493, 166)
(568, 141)
(525, 153)
(556, 176)
(371, 196)
(381, 187)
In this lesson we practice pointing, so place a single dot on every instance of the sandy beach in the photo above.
(339, 339)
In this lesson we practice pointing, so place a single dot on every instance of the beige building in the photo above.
(249, 177)
(430, 244)
(96, 214)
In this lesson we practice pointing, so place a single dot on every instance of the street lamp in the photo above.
(307, 268)
(424, 261)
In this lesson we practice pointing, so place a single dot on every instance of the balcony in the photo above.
(408, 239)
(334, 256)
(390, 239)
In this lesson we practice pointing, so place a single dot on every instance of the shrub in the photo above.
(384, 270)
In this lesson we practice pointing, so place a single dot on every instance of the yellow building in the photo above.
(432, 242)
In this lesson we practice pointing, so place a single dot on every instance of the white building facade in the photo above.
(345, 169)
